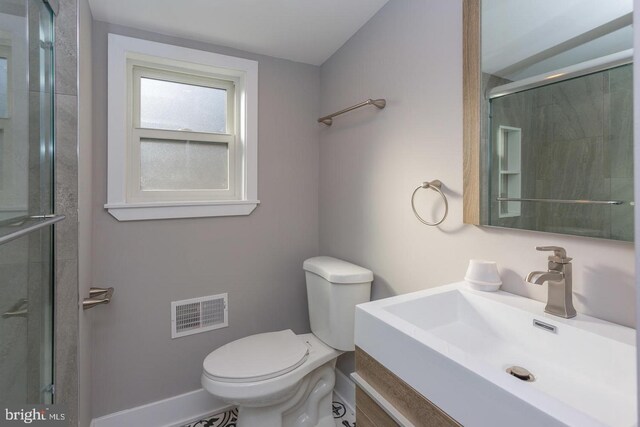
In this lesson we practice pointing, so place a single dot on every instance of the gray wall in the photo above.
(370, 162)
(257, 259)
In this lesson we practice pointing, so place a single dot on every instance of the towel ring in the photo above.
(434, 185)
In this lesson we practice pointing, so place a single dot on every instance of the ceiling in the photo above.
(308, 31)
(515, 30)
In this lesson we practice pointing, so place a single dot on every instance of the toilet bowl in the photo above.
(264, 400)
(280, 379)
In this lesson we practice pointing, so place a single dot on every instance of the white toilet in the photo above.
(279, 379)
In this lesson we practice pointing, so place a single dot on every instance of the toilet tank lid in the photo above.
(337, 271)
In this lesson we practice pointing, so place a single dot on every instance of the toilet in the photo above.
(280, 379)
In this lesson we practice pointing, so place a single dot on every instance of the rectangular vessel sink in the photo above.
(454, 345)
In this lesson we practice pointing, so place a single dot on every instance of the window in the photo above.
(182, 132)
(183, 137)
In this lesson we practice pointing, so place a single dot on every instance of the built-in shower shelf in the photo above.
(509, 169)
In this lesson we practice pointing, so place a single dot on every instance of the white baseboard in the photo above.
(172, 412)
(346, 389)
(180, 410)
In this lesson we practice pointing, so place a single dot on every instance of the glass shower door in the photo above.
(26, 202)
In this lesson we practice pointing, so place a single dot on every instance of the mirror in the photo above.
(548, 116)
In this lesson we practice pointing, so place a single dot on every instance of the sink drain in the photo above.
(521, 373)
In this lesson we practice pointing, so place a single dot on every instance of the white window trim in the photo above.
(243, 71)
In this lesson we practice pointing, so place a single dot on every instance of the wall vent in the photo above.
(192, 316)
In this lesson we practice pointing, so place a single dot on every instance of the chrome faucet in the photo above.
(560, 296)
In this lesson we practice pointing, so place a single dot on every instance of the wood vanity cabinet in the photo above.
(378, 383)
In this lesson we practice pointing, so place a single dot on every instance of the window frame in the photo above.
(136, 71)
(123, 204)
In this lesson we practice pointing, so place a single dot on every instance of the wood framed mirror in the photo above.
(548, 120)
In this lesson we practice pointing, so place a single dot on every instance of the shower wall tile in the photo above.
(13, 331)
(66, 336)
(621, 79)
(578, 108)
(584, 158)
(540, 126)
(619, 127)
(66, 139)
(66, 190)
(620, 123)
(13, 382)
(66, 48)
(66, 203)
(15, 252)
(587, 220)
(542, 96)
(14, 277)
(620, 157)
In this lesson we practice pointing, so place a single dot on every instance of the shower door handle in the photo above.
(97, 296)
(14, 229)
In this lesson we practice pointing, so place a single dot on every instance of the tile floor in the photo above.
(343, 416)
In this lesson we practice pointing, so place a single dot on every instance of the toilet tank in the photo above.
(334, 288)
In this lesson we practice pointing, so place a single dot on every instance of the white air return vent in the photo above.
(191, 316)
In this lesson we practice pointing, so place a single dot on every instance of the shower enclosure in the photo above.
(562, 156)
(26, 201)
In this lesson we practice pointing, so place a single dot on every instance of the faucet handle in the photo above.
(559, 254)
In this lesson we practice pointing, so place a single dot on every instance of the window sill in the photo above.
(150, 211)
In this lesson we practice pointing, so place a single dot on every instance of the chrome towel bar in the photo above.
(576, 202)
(436, 186)
(379, 103)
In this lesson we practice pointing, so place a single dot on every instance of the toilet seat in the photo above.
(256, 358)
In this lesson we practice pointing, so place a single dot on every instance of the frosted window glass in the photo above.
(4, 88)
(183, 165)
(179, 106)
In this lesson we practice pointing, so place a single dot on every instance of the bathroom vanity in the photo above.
(384, 400)
(452, 355)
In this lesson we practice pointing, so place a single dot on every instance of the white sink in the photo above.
(454, 344)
